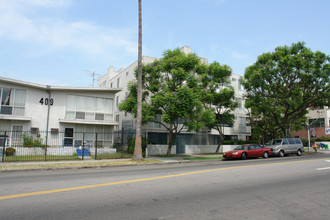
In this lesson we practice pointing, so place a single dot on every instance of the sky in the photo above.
(63, 42)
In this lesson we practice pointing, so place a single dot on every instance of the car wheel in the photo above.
(243, 156)
(281, 154)
(266, 155)
(299, 152)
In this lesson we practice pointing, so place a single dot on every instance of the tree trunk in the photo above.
(220, 143)
(170, 143)
(218, 147)
(138, 139)
(290, 128)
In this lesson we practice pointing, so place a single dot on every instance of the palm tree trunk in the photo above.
(138, 138)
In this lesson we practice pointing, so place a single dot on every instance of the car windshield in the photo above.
(276, 142)
(241, 148)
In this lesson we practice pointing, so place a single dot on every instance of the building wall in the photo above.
(319, 132)
(36, 109)
(316, 114)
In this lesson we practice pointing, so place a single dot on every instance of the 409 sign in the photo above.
(46, 101)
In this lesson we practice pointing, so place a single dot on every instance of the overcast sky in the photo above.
(61, 42)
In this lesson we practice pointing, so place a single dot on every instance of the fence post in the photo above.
(96, 146)
(3, 148)
(83, 146)
(46, 145)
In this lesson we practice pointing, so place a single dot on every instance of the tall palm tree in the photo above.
(138, 138)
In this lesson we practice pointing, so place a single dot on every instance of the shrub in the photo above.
(29, 141)
(304, 142)
(131, 145)
(228, 142)
(10, 151)
(323, 138)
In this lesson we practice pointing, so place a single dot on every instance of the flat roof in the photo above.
(58, 88)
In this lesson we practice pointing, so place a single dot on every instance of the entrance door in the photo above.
(68, 137)
(180, 144)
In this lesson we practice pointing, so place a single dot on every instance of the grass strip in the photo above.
(203, 158)
(80, 164)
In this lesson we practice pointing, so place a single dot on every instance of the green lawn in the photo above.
(39, 158)
(203, 158)
(118, 155)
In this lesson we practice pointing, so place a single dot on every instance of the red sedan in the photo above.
(248, 151)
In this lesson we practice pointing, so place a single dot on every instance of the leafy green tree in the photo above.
(171, 91)
(263, 129)
(218, 99)
(282, 85)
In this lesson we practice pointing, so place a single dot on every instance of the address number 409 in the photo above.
(46, 101)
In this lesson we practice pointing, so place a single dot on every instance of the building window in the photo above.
(240, 87)
(12, 101)
(127, 125)
(117, 118)
(111, 85)
(80, 115)
(34, 130)
(54, 131)
(239, 102)
(89, 108)
(233, 79)
(316, 123)
(127, 73)
(118, 83)
(154, 124)
(99, 116)
(17, 131)
(117, 101)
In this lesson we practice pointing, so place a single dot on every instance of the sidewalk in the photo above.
(89, 163)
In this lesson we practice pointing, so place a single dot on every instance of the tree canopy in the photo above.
(217, 97)
(171, 91)
(282, 85)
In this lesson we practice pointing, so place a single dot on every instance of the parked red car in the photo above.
(248, 151)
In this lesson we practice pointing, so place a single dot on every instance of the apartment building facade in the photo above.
(66, 111)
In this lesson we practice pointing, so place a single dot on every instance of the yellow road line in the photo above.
(140, 180)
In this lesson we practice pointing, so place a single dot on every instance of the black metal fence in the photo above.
(54, 145)
(43, 146)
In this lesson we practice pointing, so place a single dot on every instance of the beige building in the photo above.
(119, 79)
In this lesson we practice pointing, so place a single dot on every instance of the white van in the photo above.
(284, 146)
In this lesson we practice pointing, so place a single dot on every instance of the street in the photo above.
(275, 188)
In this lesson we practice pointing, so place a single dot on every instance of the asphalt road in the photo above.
(275, 188)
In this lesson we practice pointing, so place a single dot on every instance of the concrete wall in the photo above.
(159, 149)
(189, 149)
(103, 150)
(202, 149)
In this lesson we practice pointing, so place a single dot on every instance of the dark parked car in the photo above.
(248, 151)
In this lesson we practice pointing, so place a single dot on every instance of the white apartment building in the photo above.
(119, 79)
(29, 107)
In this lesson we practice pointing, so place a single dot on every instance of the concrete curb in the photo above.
(166, 160)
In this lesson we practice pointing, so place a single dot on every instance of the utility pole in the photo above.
(138, 137)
